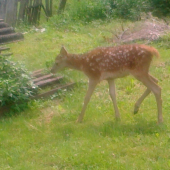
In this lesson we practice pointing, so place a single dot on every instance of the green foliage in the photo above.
(89, 10)
(15, 83)
(129, 9)
(164, 41)
(160, 7)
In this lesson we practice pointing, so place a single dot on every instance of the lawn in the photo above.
(45, 136)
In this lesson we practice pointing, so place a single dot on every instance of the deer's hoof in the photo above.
(136, 109)
(78, 121)
(118, 119)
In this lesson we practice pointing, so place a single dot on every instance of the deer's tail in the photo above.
(152, 50)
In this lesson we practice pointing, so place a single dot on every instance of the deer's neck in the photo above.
(75, 61)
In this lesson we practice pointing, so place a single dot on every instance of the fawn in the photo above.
(109, 63)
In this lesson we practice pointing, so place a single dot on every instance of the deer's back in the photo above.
(118, 59)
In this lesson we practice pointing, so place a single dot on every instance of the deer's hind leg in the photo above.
(144, 95)
(148, 81)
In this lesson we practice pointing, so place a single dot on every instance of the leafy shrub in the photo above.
(15, 83)
(160, 7)
(129, 9)
(88, 10)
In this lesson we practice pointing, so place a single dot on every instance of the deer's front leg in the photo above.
(91, 87)
(112, 92)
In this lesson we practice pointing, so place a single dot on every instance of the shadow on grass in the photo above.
(111, 128)
(141, 126)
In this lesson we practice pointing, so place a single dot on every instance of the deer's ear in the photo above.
(63, 51)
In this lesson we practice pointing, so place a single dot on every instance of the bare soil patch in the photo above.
(147, 30)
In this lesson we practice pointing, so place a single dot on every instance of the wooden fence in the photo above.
(26, 10)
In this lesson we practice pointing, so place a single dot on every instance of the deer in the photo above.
(110, 63)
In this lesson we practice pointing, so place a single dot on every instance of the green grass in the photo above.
(46, 137)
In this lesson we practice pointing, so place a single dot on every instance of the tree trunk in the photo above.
(61, 6)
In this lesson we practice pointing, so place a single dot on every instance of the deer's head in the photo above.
(60, 61)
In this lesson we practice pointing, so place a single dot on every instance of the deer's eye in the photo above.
(57, 63)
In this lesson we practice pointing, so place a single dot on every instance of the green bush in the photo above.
(89, 10)
(129, 9)
(15, 83)
(160, 7)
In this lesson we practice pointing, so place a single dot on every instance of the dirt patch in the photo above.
(148, 30)
(46, 116)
